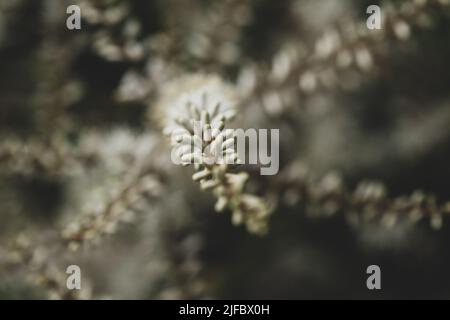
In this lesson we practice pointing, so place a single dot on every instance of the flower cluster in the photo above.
(209, 103)
(369, 201)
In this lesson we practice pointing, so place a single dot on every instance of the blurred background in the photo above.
(85, 171)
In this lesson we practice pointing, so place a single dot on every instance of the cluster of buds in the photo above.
(116, 31)
(121, 207)
(369, 202)
(339, 58)
(207, 143)
(197, 128)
